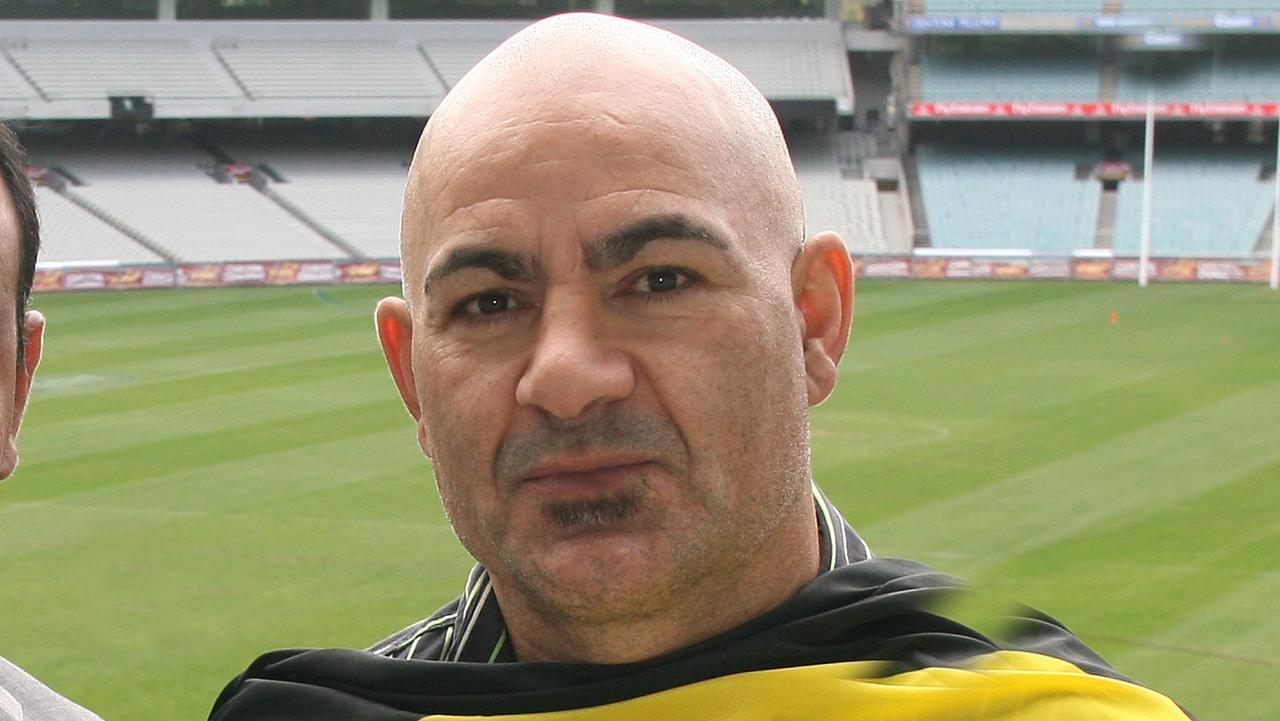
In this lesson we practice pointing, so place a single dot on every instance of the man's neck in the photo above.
(778, 569)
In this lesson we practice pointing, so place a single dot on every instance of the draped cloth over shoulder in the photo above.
(863, 639)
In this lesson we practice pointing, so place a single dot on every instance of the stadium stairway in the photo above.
(919, 221)
(137, 236)
(261, 182)
(263, 185)
(1263, 247)
(1105, 235)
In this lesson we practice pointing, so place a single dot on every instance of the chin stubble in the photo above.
(605, 511)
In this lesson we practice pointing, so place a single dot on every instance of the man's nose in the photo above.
(575, 366)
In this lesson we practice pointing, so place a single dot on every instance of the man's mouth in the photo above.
(585, 475)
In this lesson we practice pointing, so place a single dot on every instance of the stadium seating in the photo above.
(353, 191)
(328, 69)
(990, 77)
(164, 190)
(791, 69)
(95, 69)
(1205, 203)
(1251, 76)
(453, 58)
(12, 86)
(1006, 6)
(848, 206)
(1007, 197)
(120, 159)
(1131, 6)
(788, 68)
(69, 233)
(202, 221)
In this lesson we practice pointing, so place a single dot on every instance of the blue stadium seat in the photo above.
(1004, 6)
(1010, 197)
(978, 77)
(1206, 202)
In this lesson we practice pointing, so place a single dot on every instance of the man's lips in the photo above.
(585, 474)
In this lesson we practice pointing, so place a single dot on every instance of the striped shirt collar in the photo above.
(471, 628)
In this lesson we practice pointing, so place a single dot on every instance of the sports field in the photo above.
(208, 474)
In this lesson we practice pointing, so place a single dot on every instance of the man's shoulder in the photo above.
(25, 698)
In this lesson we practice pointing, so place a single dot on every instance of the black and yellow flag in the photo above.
(860, 642)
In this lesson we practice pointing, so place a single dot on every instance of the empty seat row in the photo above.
(1204, 203)
(784, 68)
(990, 77)
(1095, 6)
(1002, 197)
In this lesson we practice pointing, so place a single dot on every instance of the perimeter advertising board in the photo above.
(210, 275)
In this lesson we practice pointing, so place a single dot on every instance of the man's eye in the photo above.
(484, 304)
(660, 280)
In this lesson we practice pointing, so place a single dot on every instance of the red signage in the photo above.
(46, 280)
(1041, 109)
(203, 275)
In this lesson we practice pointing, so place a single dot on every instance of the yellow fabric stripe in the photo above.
(1002, 686)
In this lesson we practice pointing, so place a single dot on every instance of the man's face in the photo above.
(15, 379)
(606, 351)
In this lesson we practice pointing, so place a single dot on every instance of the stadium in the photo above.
(1062, 383)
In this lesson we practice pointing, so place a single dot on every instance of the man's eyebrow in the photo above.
(504, 263)
(623, 245)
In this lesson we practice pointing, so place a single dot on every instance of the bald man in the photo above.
(612, 329)
(22, 697)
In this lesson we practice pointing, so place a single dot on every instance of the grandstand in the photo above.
(1008, 198)
(1212, 203)
(1023, 135)
(918, 128)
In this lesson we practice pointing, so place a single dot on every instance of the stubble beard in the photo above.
(605, 593)
(597, 512)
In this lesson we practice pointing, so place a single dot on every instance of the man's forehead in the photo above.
(564, 108)
(592, 169)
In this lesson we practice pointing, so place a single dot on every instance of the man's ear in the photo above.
(33, 338)
(395, 333)
(822, 279)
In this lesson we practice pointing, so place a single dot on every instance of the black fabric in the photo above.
(878, 609)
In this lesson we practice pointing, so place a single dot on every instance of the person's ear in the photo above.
(33, 339)
(395, 333)
(822, 279)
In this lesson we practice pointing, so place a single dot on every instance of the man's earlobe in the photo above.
(823, 282)
(395, 334)
(33, 345)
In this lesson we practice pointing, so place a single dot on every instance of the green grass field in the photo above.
(208, 474)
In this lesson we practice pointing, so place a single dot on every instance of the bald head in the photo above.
(608, 290)
(611, 87)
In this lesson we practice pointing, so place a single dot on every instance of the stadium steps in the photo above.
(1105, 236)
(1263, 246)
(222, 63)
(101, 214)
(895, 220)
(14, 80)
(919, 222)
(1108, 81)
(431, 64)
(915, 83)
(261, 184)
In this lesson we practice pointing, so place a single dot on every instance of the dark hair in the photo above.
(13, 173)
